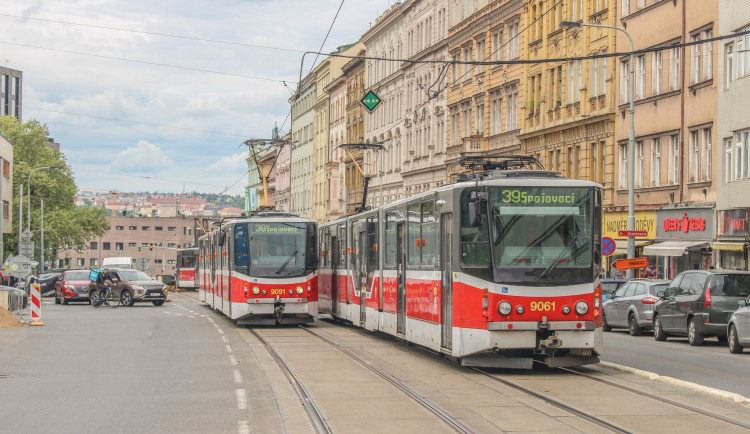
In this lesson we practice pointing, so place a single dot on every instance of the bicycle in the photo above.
(108, 297)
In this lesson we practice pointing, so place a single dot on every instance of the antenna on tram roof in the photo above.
(498, 162)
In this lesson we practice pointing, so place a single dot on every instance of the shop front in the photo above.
(730, 248)
(683, 241)
(614, 222)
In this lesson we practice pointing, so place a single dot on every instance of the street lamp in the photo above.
(28, 185)
(631, 137)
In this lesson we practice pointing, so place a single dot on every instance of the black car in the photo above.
(699, 303)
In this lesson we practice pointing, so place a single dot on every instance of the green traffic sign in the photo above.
(370, 101)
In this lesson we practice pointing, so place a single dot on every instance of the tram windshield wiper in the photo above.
(559, 258)
(288, 260)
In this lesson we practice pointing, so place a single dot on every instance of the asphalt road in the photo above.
(710, 365)
(138, 369)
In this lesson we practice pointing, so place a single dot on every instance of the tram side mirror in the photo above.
(222, 238)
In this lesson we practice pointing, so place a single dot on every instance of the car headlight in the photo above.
(504, 308)
(300, 290)
(256, 290)
(71, 287)
(582, 307)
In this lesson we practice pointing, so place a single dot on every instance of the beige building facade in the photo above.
(426, 99)
(354, 70)
(484, 101)
(301, 164)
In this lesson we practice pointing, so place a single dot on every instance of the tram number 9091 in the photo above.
(278, 291)
(543, 306)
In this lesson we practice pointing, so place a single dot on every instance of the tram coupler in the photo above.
(278, 311)
(551, 342)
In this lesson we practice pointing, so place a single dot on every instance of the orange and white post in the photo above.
(36, 305)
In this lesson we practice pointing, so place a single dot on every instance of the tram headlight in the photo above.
(582, 307)
(300, 290)
(520, 310)
(256, 290)
(504, 308)
(566, 310)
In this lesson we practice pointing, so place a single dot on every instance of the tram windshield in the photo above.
(275, 249)
(541, 227)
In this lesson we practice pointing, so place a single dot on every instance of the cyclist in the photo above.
(103, 281)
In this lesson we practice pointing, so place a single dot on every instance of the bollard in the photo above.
(36, 305)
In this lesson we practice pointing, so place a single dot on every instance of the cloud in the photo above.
(145, 157)
(236, 162)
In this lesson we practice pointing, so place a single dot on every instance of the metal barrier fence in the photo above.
(13, 298)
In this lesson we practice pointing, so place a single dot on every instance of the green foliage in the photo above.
(64, 223)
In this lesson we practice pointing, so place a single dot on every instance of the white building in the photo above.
(303, 104)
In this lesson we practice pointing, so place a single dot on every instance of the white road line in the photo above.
(237, 376)
(224, 338)
(228, 347)
(233, 360)
(243, 427)
(219, 330)
(241, 399)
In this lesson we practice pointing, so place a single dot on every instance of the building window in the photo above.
(105, 246)
(93, 262)
(6, 168)
(172, 229)
(625, 8)
(639, 164)
(145, 228)
(574, 81)
(656, 74)
(171, 245)
(512, 109)
(132, 228)
(158, 261)
(675, 72)
(497, 45)
(6, 209)
(624, 165)
(707, 153)
(513, 41)
(675, 159)
(479, 122)
(132, 245)
(728, 160)
(480, 55)
(729, 65)
(625, 81)
(656, 163)
(80, 262)
(496, 113)
(170, 261)
(158, 228)
(120, 228)
(743, 56)
(93, 245)
(641, 76)
(694, 156)
(118, 246)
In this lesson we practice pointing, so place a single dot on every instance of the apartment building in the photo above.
(303, 104)
(484, 100)
(11, 90)
(354, 70)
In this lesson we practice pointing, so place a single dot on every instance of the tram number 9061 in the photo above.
(542, 306)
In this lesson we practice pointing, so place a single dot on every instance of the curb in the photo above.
(736, 397)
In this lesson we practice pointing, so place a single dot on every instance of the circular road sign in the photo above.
(608, 246)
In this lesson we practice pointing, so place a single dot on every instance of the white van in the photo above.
(117, 262)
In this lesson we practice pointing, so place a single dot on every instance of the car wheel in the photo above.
(635, 329)
(694, 337)
(734, 341)
(126, 298)
(659, 334)
(158, 302)
(57, 299)
(605, 326)
(64, 301)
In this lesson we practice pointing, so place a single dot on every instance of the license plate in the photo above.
(155, 294)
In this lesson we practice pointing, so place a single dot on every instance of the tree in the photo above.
(64, 223)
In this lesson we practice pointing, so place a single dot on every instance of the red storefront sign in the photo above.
(684, 224)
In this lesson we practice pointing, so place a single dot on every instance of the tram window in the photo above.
(312, 246)
(475, 248)
(429, 238)
(415, 232)
(372, 240)
(240, 247)
(390, 242)
(342, 246)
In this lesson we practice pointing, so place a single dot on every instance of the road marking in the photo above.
(219, 330)
(224, 338)
(237, 376)
(228, 347)
(232, 360)
(243, 427)
(241, 399)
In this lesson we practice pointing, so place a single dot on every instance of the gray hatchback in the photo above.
(631, 305)
(698, 303)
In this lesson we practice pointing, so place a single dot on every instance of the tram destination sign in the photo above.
(632, 233)
(626, 264)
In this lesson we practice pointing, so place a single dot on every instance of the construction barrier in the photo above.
(36, 305)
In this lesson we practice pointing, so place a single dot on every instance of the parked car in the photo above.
(46, 281)
(738, 330)
(609, 286)
(132, 286)
(698, 304)
(631, 305)
(72, 286)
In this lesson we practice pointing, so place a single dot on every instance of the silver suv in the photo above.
(698, 303)
(632, 304)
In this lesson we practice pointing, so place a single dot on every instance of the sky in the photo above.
(139, 111)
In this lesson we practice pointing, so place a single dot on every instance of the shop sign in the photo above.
(685, 224)
(734, 222)
(614, 222)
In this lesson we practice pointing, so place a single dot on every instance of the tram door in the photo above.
(335, 253)
(362, 275)
(401, 291)
(446, 267)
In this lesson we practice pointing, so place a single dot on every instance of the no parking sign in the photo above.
(608, 246)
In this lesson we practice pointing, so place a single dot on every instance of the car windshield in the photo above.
(610, 287)
(731, 285)
(77, 275)
(133, 275)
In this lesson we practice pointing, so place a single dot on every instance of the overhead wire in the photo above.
(327, 33)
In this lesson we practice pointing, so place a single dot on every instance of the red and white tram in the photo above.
(187, 268)
(498, 269)
(261, 269)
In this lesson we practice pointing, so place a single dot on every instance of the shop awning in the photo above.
(735, 247)
(621, 246)
(671, 248)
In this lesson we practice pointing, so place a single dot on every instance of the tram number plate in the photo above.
(278, 292)
(542, 306)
